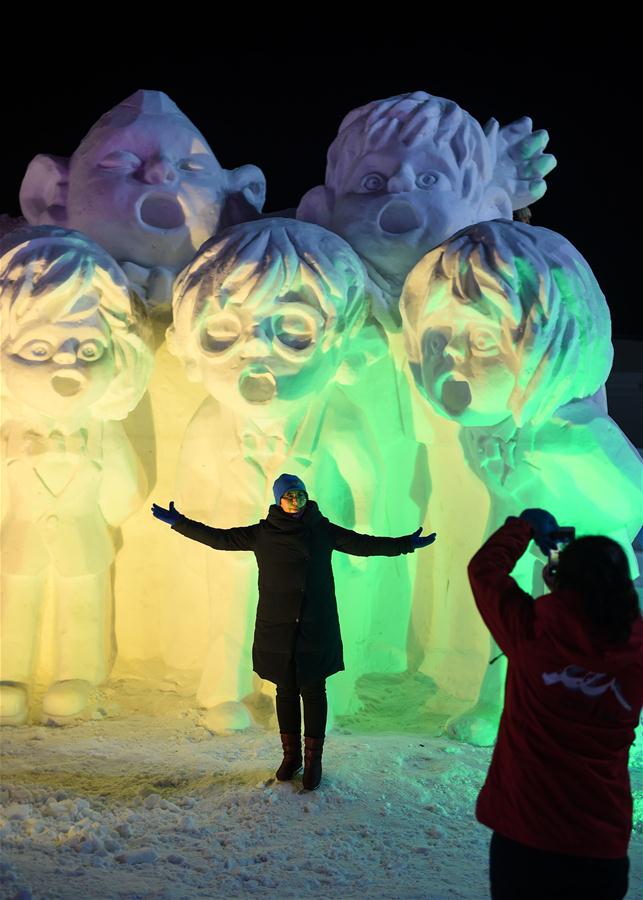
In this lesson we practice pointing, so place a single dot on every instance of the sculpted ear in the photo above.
(316, 206)
(246, 195)
(43, 193)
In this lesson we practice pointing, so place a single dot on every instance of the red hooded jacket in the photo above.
(558, 778)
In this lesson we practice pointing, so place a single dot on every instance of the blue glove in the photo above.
(418, 541)
(170, 515)
(544, 525)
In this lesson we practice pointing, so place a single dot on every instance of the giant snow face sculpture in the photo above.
(145, 185)
(468, 363)
(60, 368)
(497, 321)
(263, 316)
(406, 173)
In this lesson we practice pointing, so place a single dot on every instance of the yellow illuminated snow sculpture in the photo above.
(74, 362)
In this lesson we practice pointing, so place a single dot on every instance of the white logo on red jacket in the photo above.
(589, 683)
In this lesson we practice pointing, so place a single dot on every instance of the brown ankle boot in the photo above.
(313, 748)
(291, 762)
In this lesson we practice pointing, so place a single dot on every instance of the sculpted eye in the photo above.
(295, 332)
(220, 334)
(197, 164)
(434, 342)
(121, 159)
(36, 351)
(426, 180)
(89, 351)
(373, 182)
(484, 343)
(191, 165)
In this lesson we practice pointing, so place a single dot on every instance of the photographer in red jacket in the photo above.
(557, 795)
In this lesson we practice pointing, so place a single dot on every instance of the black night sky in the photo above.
(281, 110)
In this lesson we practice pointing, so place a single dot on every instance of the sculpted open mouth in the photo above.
(161, 211)
(455, 396)
(257, 384)
(399, 217)
(67, 385)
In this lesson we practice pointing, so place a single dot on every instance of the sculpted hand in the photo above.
(170, 515)
(418, 540)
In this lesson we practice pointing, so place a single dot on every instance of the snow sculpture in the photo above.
(266, 317)
(74, 362)
(146, 186)
(508, 335)
(405, 173)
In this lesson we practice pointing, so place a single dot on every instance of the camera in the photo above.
(561, 538)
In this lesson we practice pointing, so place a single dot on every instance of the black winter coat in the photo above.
(297, 611)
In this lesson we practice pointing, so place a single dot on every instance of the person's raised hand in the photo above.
(544, 525)
(419, 540)
(170, 515)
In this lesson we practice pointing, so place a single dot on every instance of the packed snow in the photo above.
(141, 800)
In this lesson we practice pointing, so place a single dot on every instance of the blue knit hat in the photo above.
(286, 483)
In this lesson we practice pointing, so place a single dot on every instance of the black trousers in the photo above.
(518, 872)
(289, 711)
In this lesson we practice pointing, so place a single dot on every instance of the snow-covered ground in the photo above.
(142, 801)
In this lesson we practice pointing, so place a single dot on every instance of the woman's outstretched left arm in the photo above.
(356, 544)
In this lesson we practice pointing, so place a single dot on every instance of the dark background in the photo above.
(281, 110)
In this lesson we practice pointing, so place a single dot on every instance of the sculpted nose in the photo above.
(401, 181)
(159, 170)
(66, 354)
(456, 351)
(256, 346)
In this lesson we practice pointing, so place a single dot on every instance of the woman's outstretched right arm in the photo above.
(243, 538)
